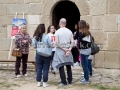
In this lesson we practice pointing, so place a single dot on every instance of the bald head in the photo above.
(62, 22)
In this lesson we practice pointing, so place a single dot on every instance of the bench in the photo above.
(33, 62)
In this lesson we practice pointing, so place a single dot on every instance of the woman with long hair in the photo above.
(43, 63)
(51, 34)
(84, 41)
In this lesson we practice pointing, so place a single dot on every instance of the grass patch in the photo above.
(99, 86)
(53, 83)
(114, 88)
(2, 83)
(7, 85)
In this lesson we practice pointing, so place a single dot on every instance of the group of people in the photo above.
(66, 47)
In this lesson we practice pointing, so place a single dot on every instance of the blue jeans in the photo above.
(84, 63)
(53, 52)
(43, 64)
(90, 67)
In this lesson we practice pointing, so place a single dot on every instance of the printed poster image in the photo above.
(16, 23)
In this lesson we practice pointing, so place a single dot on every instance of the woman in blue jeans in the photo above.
(43, 63)
(84, 42)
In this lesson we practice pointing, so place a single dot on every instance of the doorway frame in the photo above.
(48, 7)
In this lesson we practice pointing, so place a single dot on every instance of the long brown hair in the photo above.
(82, 27)
(39, 32)
(48, 30)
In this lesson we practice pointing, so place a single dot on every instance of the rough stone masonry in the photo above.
(102, 15)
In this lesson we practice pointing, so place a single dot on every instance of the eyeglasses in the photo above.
(51, 28)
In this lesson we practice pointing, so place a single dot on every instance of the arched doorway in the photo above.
(68, 10)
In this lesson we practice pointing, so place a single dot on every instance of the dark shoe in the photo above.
(70, 82)
(62, 85)
(53, 72)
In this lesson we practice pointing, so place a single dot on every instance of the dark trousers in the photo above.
(84, 63)
(63, 76)
(75, 54)
(90, 67)
(43, 64)
(24, 59)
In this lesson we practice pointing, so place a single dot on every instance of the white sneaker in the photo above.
(18, 76)
(76, 64)
(25, 75)
(82, 73)
(38, 84)
(45, 84)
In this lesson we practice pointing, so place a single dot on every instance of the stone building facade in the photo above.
(102, 15)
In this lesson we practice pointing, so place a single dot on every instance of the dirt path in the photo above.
(32, 86)
(98, 82)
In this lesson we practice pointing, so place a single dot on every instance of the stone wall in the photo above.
(104, 20)
(102, 15)
(32, 10)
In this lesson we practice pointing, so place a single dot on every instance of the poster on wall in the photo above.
(16, 23)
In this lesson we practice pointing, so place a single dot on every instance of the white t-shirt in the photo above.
(52, 38)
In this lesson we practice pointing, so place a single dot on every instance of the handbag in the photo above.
(94, 47)
(44, 49)
(17, 52)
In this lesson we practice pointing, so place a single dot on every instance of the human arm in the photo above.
(34, 42)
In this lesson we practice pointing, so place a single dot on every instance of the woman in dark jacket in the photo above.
(84, 41)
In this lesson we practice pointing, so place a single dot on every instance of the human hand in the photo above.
(25, 41)
(67, 53)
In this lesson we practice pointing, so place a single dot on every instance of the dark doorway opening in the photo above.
(68, 10)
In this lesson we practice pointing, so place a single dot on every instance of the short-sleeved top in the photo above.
(52, 38)
(64, 36)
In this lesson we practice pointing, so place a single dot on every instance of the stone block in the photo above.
(106, 80)
(110, 23)
(119, 22)
(113, 41)
(6, 20)
(99, 59)
(33, 19)
(31, 56)
(3, 9)
(88, 19)
(3, 32)
(45, 20)
(28, 1)
(10, 1)
(9, 30)
(83, 6)
(98, 7)
(20, 8)
(113, 6)
(112, 60)
(35, 8)
(31, 29)
(100, 38)
(20, 1)
(1, 1)
(48, 5)
(37, 1)
(12, 58)
(4, 44)
(97, 22)
(3, 55)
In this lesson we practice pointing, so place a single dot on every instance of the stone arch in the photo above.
(48, 6)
